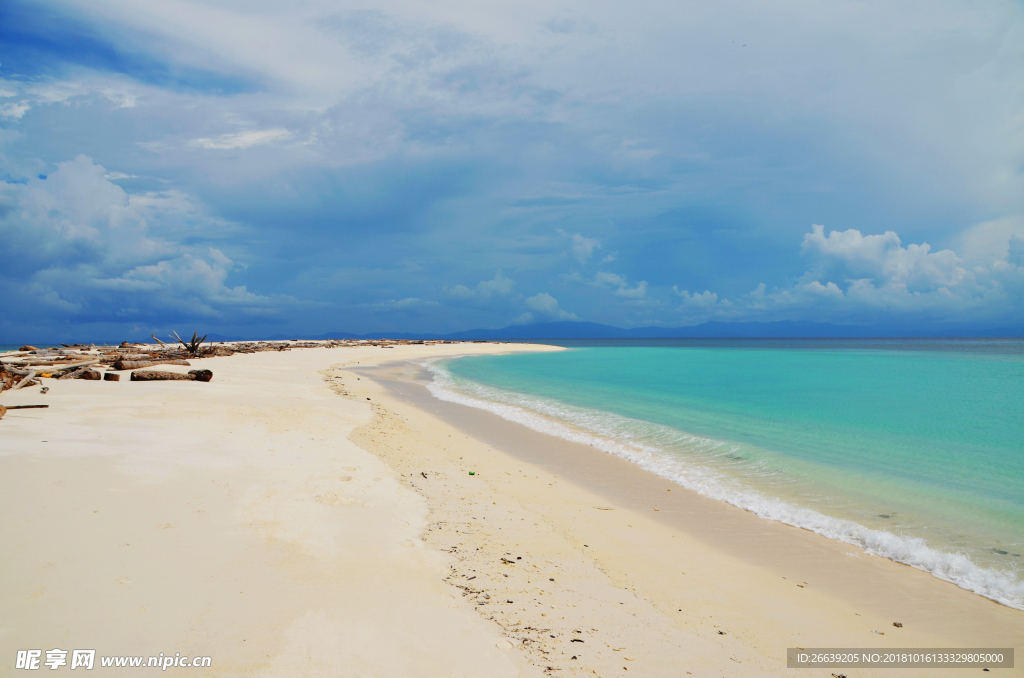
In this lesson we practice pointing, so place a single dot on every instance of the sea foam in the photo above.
(617, 435)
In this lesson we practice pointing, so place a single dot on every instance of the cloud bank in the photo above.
(80, 248)
(441, 167)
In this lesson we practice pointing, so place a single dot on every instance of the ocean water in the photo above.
(911, 449)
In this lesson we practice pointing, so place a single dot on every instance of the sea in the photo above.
(912, 450)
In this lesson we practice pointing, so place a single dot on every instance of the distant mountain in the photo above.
(715, 329)
(710, 330)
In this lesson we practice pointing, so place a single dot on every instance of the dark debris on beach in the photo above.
(29, 365)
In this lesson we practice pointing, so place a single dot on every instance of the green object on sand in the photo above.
(472, 473)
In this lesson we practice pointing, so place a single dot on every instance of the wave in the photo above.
(631, 439)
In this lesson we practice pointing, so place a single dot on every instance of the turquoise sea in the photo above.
(910, 449)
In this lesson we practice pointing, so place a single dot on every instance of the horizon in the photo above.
(563, 331)
(394, 168)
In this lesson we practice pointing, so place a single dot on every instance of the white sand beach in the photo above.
(303, 515)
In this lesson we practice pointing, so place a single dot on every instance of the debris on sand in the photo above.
(29, 365)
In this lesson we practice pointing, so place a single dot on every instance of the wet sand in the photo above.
(774, 586)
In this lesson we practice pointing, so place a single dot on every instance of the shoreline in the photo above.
(963, 571)
(296, 515)
(856, 593)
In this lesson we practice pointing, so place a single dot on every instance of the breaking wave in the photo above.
(644, 444)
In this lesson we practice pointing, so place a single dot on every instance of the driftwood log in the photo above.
(90, 375)
(28, 375)
(110, 376)
(159, 375)
(139, 364)
(73, 374)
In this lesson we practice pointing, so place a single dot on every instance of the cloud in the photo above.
(601, 278)
(989, 241)
(407, 304)
(882, 258)
(400, 138)
(546, 306)
(583, 248)
(485, 289)
(15, 110)
(700, 300)
(85, 249)
(604, 279)
(638, 292)
(244, 139)
(867, 278)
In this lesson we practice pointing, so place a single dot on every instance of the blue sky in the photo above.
(260, 168)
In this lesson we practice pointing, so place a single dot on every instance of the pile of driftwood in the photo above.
(79, 361)
(85, 361)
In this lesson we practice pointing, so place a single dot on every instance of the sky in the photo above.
(256, 168)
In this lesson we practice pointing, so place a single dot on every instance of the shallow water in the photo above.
(910, 449)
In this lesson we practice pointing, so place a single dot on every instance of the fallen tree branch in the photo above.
(160, 375)
(139, 364)
(29, 376)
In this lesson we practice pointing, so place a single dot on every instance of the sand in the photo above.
(278, 521)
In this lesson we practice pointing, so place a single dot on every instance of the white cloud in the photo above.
(605, 279)
(638, 292)
(601, 278)
(704, 299)
(546, 306)
(485, 289)
(524, 319)
(583, 248)
(15, 110)
(87, 247)
(409, 303)
(244, 139)
(989, 241)
(857, 277)
(884, 259)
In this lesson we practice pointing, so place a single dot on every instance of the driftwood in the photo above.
(159, 375)
(192, 346)
(110, 376)
(139, 364)
(57, 367)
(28, 375)
(157, 340)
(90, 375)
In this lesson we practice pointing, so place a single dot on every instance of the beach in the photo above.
(317, 512)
